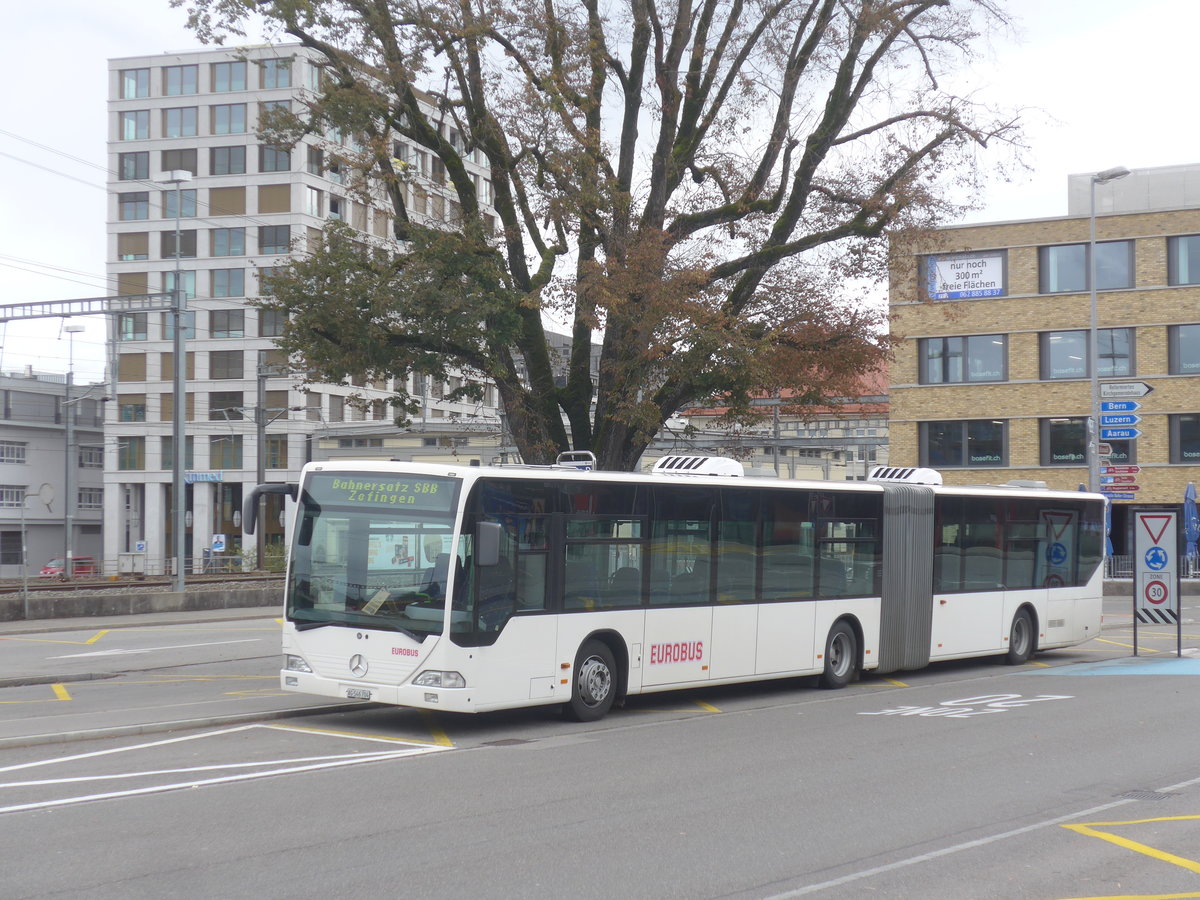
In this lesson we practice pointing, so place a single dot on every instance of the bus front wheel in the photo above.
(1020, 639)
(594, 685)
(841, 656)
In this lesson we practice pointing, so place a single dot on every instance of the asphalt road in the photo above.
(1076, 776)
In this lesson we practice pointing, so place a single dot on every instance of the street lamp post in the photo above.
(1094, 328)
(177, 177)
(70, 500)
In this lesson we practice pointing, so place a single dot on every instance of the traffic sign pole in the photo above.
(1156, 574)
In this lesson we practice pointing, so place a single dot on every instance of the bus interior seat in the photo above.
(434, 579)
(625, 585)
(581, 587)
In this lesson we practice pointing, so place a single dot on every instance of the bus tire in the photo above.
(1020, 639)
(841, 656)
(594, 685)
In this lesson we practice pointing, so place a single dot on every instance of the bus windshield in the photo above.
(373, 550)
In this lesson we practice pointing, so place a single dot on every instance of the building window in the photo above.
(10, 548)
(131, 326)
(275, 73)
(187, 243)
(187, 204)
(189, 326)
(134, 205)
(312, 202)
(227, 161)
(91, 458)
(1065, 353)
(187, 283)
(131, 408)
(178, 80)
(273, 159)
(183, 158)
(974, 443)
(228, 242)
(1183, 259)
(131, 453)
(1184, 349)
(91, 498)
(274, 238)
(316, 161)
(270, 322)
(12, 496)
(1064, 268)
(228, 76)
(133, 245)
(228, 282)
(227, 323)
(277, 451)
(168, 452)
(135, 84)
(229, 118)
(12, 452)
(1064, 441)
(225, 451)
(955, 360)
(179, 122)
(223, 364)
(133, 166)
(225, 406)
(265, 273)
(135, 125)
(1185, 438)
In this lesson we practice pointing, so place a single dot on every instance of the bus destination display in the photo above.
(399, 492)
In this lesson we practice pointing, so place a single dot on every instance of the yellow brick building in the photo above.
(992, 378)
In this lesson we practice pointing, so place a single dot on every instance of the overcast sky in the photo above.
(1104, 81)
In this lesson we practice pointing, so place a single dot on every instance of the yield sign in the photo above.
(1058, 523)
(1155, 525)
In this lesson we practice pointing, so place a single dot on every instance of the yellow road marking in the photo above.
(1090, 830)
(1039, 665)
(60, 694)
(357, 735)
(896, 682)
(707, 707)
(91, 640)
(1188, 896)
(440, 738)
(60, 691)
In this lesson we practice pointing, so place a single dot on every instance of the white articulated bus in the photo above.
(483, 588)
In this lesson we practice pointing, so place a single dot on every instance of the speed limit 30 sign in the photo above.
(1156, 568)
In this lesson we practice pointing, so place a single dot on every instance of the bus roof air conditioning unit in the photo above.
(905, 474)
(699, 465)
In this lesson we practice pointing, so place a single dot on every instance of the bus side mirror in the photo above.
(250, 505)
(487, 543)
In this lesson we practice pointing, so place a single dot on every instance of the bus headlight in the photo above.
(296, 664)
(434, 678)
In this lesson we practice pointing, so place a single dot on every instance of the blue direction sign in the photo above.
(1115, 406)
(1119, 434)
(1111, 421)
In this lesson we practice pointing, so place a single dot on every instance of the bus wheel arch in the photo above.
(1022, 636)
(843, 653)
(599, 677)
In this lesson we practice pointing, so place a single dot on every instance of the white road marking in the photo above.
(119, 652)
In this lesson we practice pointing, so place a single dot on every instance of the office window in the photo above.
(277, 451)
(275, 73)
(180, 122)
(178, 80)
(264, 281)
(1121, 453)
(229, 118)
(133, 166)
(91, 458)
(131, 366)
(228, 241)
(228, 76)
(12, 452)
(135, 84)
(1184, 349)
(274, 238)
(133, 245)
(131, 327)
(227, 161)
(315, 164)
(312, 202)
(1185, 438)
(225, 451)
(270, 322)
(227, 323)
(187, 243)
(189, 327)
(1064, 354)
(134, 205)
(273, 159)
(974, 443)
(187, 204)
(168, 452)
(187, 283)
(131, 453)
(228, 282)
(12, 496)
(183, 158)
(224, 364)
(1064, 441)
(955, 360)
(1064, 268)
(1183, 259)
(134, 124)
(131, 407)
(225, 406)
(274, 198)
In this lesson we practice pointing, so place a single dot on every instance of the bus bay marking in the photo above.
(986, 704)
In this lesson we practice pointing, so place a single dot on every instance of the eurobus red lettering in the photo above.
(683, 651)
(404, 651)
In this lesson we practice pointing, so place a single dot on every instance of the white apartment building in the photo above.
(247, 205)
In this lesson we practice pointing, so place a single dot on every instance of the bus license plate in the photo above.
(358, 694)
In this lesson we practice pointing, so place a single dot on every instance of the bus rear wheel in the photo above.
(594, 685)
(1020, 639)
(841, 656)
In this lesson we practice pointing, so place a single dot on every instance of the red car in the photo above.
(81, 565)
